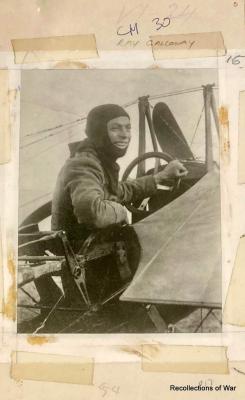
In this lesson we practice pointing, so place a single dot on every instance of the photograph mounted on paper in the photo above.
(119, 202)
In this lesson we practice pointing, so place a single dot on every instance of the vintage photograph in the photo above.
(119, 202)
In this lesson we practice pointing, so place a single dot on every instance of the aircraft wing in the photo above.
(181, 250)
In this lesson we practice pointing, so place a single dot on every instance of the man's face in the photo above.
(119, 132)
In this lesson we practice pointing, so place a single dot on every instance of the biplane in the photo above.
(167, 263)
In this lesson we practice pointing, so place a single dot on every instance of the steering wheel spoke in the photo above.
(141, 208)
(144, 204)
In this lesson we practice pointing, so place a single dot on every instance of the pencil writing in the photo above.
(235, 60)
(105, 388)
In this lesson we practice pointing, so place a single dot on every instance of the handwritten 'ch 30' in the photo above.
(175, 12)
(133, 29)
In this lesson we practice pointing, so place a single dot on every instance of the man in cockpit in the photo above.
(88, 194)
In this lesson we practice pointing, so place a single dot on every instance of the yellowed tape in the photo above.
(57, 48)
(52, 368)
(191, 45)
(184, 359)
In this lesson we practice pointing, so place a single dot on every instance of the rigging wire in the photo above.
(29, 295)
(49, 314)
(198, 123)
(131, 103)
(71, 124)
(179, 92)
(78, 120)
(50, 108)
(51, 146)
(157, 96)
(89, 311)
(51, 134)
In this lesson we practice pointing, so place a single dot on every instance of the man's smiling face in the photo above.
(119, 132)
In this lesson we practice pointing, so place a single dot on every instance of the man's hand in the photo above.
(175, 169)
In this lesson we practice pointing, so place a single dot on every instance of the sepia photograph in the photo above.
(119, 202)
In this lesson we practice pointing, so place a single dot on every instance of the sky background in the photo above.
(51, 98)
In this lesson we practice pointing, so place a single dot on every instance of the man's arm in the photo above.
(146, 186)
(85, 182)
(137, 189)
